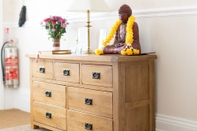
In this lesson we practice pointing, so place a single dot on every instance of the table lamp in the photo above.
(88, 6)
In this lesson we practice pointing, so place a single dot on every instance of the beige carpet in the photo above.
(16, 120)
(23, 128)
(13, 117)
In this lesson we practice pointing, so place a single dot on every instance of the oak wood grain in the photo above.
(123, 96)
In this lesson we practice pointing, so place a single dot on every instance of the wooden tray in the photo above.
(55, 52)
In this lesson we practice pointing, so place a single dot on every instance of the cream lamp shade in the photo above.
(87, 6)
(91, 5)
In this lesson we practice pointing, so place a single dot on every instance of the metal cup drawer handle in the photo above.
(48, 115)
(88, 101)
(66, 72)
(88, 126)
(42, 70)
(48, 93)
(96, 75)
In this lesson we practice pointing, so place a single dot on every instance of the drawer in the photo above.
(49, 93)
(83, 122)
(99, 75)
(42, 69)
(90, 101)
(66, 72)
(49, 115)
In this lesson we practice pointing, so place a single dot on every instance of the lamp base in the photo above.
(88, 51)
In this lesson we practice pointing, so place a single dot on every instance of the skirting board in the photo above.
(22, 100)
(169, 123)
(17, 98)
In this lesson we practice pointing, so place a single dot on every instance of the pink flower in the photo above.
(59, 19)
(53, 22)
(63, 20)
(46, 20)
(52, 17)
(53, 30)
(64, 25)
(55, 25)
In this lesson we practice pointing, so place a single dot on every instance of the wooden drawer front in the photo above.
(66, 72)
(90, 101)
(50, 115)
(49, 93)
(79, 122)
(97, 75)
(42, 69)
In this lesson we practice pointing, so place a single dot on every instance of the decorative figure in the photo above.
(126, 35)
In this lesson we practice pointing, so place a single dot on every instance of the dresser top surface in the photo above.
(93, 57)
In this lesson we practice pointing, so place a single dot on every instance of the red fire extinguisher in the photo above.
(9, 63)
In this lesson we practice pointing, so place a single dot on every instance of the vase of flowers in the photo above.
(56, 27)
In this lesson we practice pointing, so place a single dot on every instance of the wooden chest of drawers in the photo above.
(92, 93)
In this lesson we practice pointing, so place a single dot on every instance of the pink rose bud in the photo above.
(53, 22)
(53, 30)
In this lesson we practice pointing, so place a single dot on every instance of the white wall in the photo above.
(167, 27)
(1, 43)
